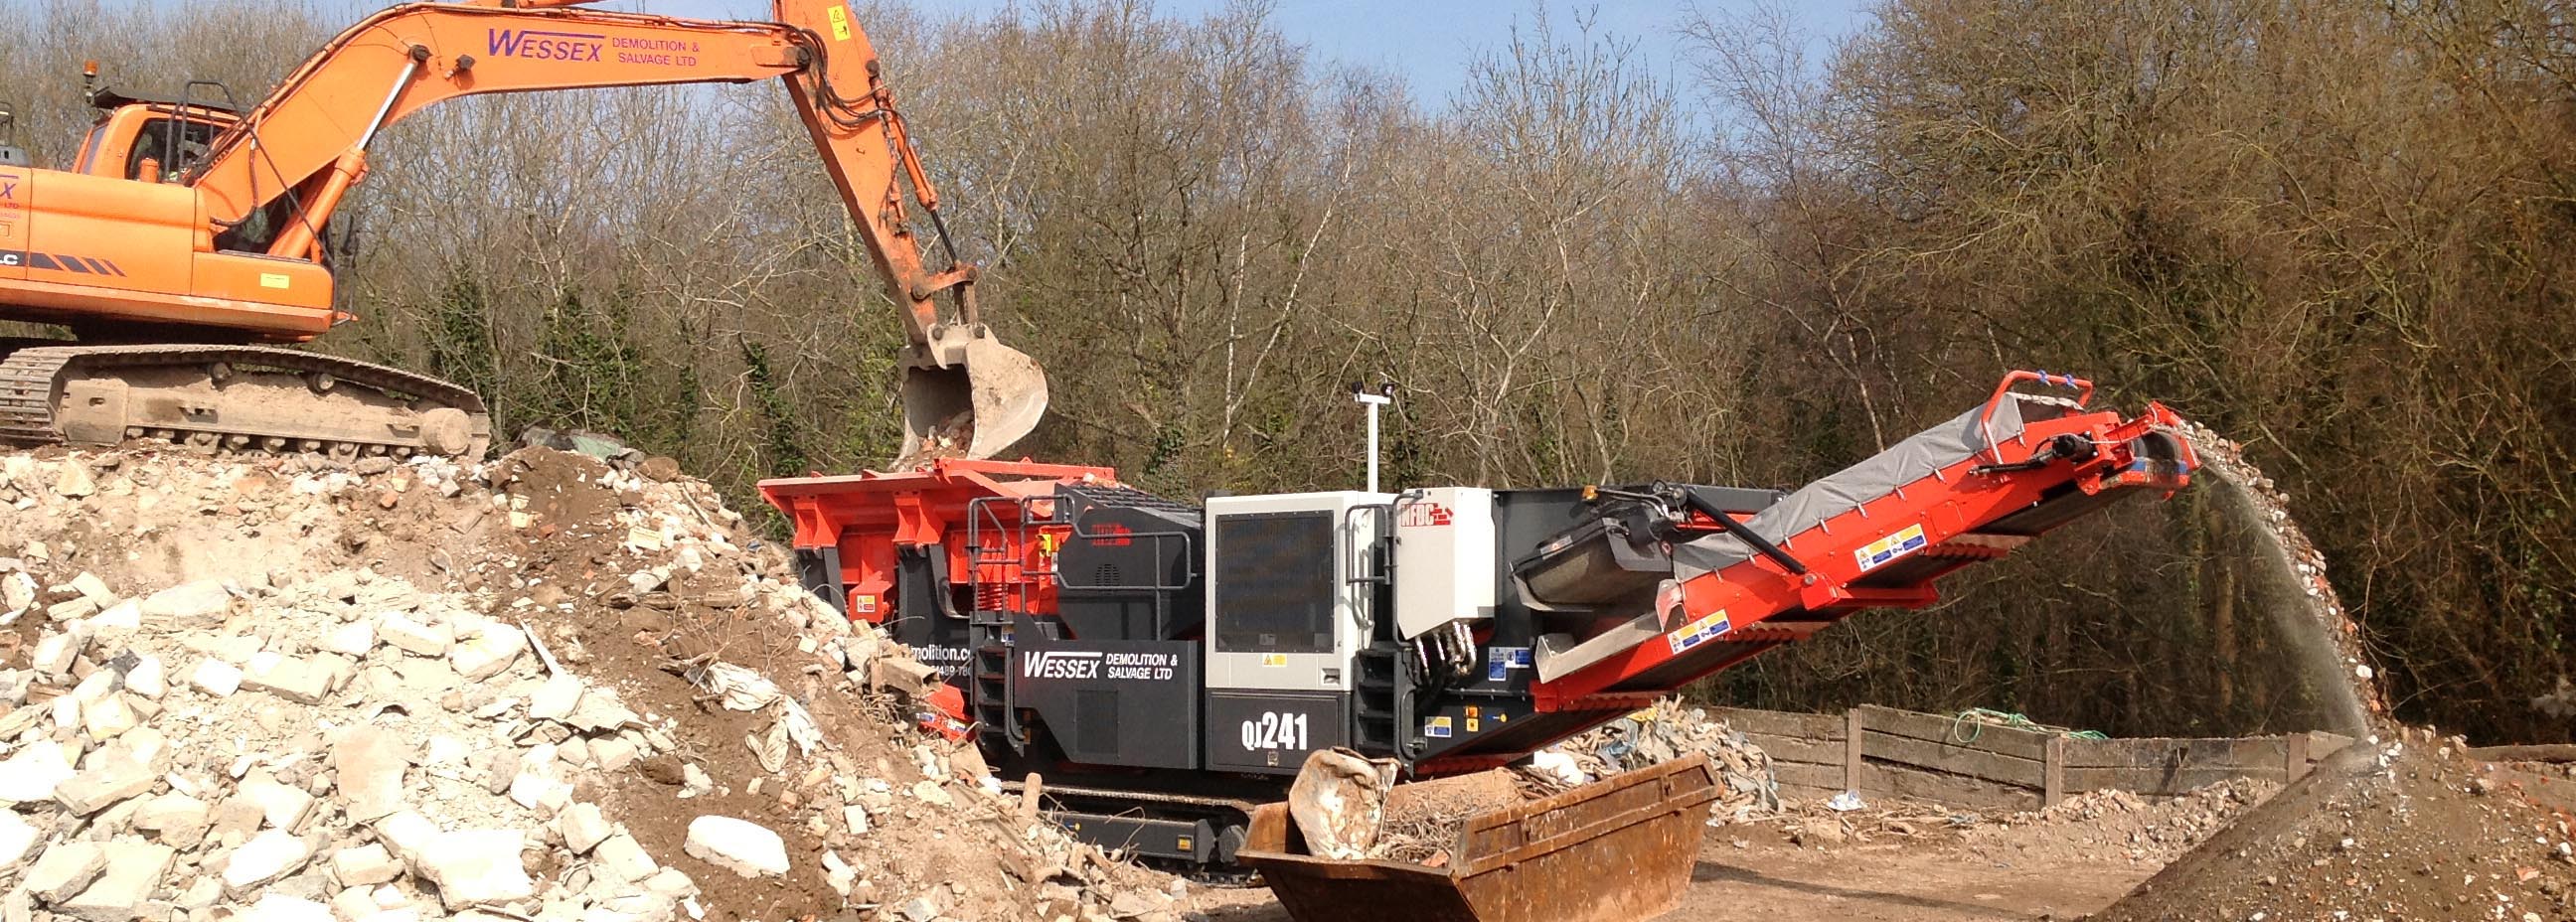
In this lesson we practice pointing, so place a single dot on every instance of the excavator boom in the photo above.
(229, 248)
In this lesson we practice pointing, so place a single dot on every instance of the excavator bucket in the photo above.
(1614, 850)
(989, 397)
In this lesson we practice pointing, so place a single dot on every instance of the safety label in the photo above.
(1499, 661)
(1871, 555)
(1698, 632)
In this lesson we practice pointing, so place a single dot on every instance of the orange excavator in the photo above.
(187, 242)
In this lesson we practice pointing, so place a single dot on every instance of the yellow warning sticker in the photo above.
(840, 16)
(1871, 555)
(1471, 725)
(272, 280)
(1274, 659)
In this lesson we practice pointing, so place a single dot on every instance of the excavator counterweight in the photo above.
(187, 244)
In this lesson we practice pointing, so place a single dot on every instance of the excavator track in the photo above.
(212, 398)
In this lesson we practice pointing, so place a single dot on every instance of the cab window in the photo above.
(89, 146)
(155, 142)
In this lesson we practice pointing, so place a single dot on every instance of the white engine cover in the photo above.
(1444, 558)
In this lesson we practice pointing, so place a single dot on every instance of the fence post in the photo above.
(2052, 772)
(1851, 750)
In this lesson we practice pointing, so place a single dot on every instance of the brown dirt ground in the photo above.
(1904, 863)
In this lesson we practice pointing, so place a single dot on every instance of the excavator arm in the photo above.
(305, 146)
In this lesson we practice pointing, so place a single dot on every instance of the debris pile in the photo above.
(542, 688)
(1670, 730)
(2408, 827)
(2144, 830)
(1422, 819)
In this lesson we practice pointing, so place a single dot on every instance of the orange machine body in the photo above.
(214, 227)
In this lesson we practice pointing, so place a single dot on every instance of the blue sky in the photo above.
(1428, 42)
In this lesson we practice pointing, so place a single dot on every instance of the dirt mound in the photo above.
(541, 688)
(2409, 829)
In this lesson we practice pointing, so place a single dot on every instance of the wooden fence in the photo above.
(1876, 750)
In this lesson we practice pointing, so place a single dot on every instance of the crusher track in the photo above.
(232, 398)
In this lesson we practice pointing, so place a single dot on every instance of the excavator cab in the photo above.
(148, 138)
(158, 139)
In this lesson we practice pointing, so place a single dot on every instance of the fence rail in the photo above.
(1952, 760)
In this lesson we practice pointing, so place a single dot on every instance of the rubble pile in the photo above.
(2144, 830)
(1422, 819)
(2407, 827)
(542, 688)
(1670, 730)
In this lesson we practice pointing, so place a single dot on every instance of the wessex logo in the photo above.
(9, 188)
(1061, 664)
(544, 46)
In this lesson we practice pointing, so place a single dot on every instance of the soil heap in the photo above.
(2410, 828)
(541, 688)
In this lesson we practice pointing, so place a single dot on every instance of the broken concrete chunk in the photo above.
(188, 603)
(145, 677)
(414, 637)
(277, 908)
(583, 826)
(229, 648)
(554, 700)
(34, 772)
(99, 788)
(17, 592)
(364, 865)
(303, 680)
(353, 904)
(489, 653)
(134, 872)
(408, 833)
(74, 481)
(17, 840)
(473, 866)
(64, 869)
(838, 873)
(356, 638)
(281, 806)
(72, 608)
(122, 616)
(54, 653)
(264, 859)
(108, 716)
(623, 859)
(178, 819)
(370, 761)
(740, 846)
(216, 677)
(89, 585)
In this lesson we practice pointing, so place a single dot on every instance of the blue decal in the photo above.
(543, 46)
